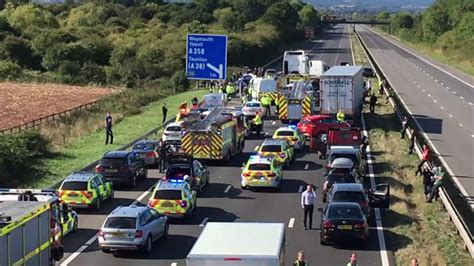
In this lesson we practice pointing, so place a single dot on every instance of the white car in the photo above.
(172, 132)
(252, 107)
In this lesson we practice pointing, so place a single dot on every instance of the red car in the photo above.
(316, 124)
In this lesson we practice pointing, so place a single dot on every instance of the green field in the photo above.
(87, 149)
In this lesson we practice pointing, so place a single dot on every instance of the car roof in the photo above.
(286, 129)
(260, 159)
(174, 124)
(146, 141)
(343, 204)
(80, 177)
(316, 117)
(117, 154)
(253, 101)
(343, 149)
(357, 187)
(170, 184)
(127, 211)
(273, 142)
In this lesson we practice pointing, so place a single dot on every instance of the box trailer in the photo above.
(236, 244)
(342, 87)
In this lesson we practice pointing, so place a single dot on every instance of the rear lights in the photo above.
(246, 174)
(328, 224)
(152, 203)
(99, 169)
(184, 204)
(359, 226)
(151, 154)
(364, 204)
(101, 233)
(271, 175)
(138, 233)
(89, 195)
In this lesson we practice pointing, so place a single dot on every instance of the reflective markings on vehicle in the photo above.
(291, 223)
(203, 223)
(227, 189)
(174, 264)
(300, 189)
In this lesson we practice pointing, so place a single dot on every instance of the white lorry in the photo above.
(342, 88)
(295, 62)
(232, 244)
(317, 68)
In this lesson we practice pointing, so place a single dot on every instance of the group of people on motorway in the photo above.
(300, 261)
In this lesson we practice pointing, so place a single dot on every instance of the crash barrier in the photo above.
(30, 125)
(454, 202)
(91, 166)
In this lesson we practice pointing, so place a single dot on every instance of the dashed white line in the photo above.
(74, 255)
(454, 92)
(442, 84)
(419, 85)
(424, 90)
(174, 264)
(472, 136)
(462, 98)
(90, 241)
(300, 189)
(448, 88)
(203, 223)
(470, 103)
(274, 123)
(291, 223)
(436, 80)
(461, 125)
(450, 115)
(435, 101)
(429, 95)
(227, 189)
(306, 167)
(442, 107)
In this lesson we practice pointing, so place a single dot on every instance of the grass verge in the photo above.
(88, 148)
(417, 229)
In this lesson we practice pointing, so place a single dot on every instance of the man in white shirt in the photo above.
(308, 198)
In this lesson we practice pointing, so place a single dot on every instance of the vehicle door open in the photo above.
(379, 196)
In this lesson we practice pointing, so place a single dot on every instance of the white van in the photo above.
(260, 85)
(317, 68)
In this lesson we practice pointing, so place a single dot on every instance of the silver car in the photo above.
(132, 228)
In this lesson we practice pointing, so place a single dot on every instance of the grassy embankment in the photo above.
(414, 228)
(81, 151)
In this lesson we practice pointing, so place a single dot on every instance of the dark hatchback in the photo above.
(368, 72)
(182, 165)
(343, 221)
(148, 151)
(122, 167)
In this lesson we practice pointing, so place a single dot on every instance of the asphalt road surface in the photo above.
(224, 201)
(441, 99)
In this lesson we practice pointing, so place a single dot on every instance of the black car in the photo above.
(342, 221)
(181, 165)
(122, 167)
(148, 151)
(334, 176)
(368, 72)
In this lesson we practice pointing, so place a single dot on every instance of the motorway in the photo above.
(441, 100)
(224, 201)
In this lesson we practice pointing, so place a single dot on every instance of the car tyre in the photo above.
(148, 245)
(133, 182)
(322, 241)
(111, 196)
(75, 225)
(97, 204)
(166, 233)
(107, 251)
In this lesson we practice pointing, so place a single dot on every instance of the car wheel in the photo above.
(166, 232)
(75, 224)
(133, 182)
(112, 195)
(97, 204)
(148, 245)
(322, 241)
(243, 187)
(106, 251)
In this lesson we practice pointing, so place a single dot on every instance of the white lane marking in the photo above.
(448, 88)
(429, 95)
(256, 148)
(78, 252)
(227, 189)
(435, 101)
(472, 136)
(300, 189)
(450, 115)
(461, 125)
(291, 223)
(419, 85)
(306, 167)
(436, 80)
(454, 92)
(378, 217)
(442, 84)
(442, 107)
(424, 90)
(462, 98)
(470, 103)
(274, 123)
(203, 223)
(174, 264)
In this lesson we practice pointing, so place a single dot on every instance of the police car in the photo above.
(174, 198)
(261, 172)
(85, 190)
(280, 149)
(291, 134)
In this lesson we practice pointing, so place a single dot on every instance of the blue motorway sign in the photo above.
(206, 57)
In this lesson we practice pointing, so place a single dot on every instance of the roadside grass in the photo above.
(83, 150)
(417, 229)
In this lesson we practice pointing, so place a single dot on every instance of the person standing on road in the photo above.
(162, 151)
(372, 103)
(258, 122)
(425, 156)
(108, 129)
(300, 260)
(412, 141)
(438, 182)
(353, 260)
(340, 116)
(427, 177)
(266, 102)
(165, 112)
(404, 127)
(308, 198)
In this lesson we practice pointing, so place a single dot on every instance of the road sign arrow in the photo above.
(219, 71)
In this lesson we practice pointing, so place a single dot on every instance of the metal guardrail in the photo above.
(401, 111)
(39, 121)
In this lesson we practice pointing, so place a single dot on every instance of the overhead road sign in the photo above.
(206, 57)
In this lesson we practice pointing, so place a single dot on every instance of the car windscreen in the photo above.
(112, 161)
(144, 146)
(74, 185)
(351, 157)
(178, 172)
(252, 105)
(168, 194)
(121, 222)
(339, 171)
(271, 148)
(285, 133)
(174, 128)
(348, 196)
(259, 167)
(344, 212)
(332, 178)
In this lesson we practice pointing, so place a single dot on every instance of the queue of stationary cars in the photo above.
(122, 167)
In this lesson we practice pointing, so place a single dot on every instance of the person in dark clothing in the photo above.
(27, 196)
(373, 102)
(162, 152)
(165, 112)
(412, 142)
(438, 182)
(404, 127)
(427, 176)
(108, 129)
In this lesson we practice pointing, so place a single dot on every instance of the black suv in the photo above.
(182, 165)
(122, 167)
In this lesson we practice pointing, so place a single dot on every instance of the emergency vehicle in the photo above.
(261, 171)
(69, 219)
(279, 149)
(292, 135)
(296, 102)
(335, 137)
(30, 231)
(174, 198)
(217, 134)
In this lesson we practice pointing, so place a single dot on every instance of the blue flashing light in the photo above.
(253, 157)
(176, 181)
(293, 126)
